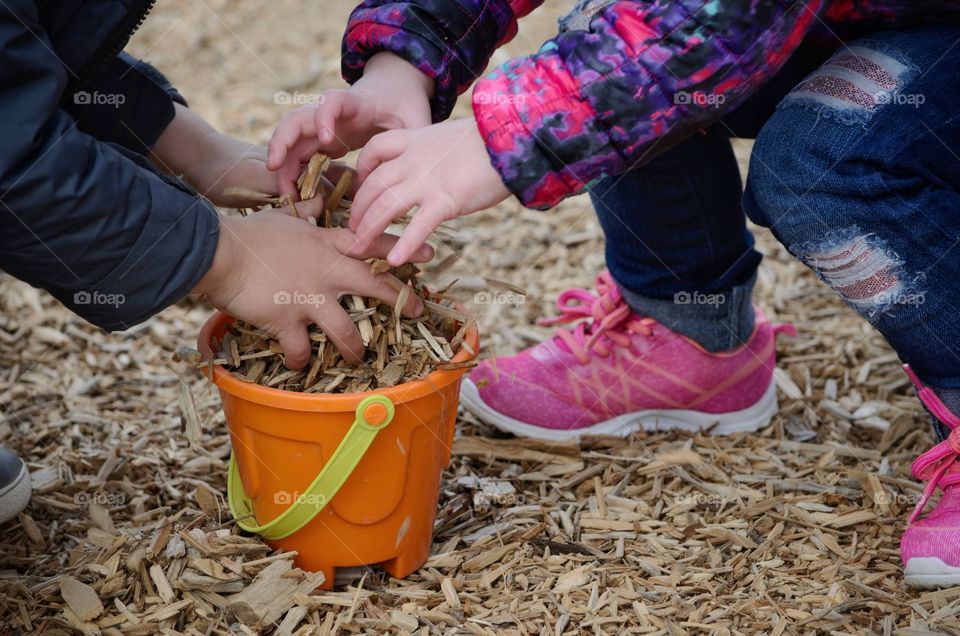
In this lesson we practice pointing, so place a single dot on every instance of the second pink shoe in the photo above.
(616, 372)
(930, 546)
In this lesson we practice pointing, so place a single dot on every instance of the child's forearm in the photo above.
(210, 161)
(183, 144)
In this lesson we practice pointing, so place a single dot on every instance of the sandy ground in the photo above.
(792, 530)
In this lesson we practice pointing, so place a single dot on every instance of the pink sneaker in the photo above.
(619, 372)
(930, 547)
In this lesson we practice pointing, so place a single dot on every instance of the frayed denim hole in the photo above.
(866, 273)
(853, 85)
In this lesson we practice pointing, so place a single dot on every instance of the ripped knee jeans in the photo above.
(858, 174)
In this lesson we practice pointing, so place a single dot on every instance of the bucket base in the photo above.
(404, 565)
(399, 567)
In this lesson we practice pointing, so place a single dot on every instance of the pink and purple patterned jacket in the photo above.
(622, 81)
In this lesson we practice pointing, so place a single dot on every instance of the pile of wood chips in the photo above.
(399, 349)
(142, 585)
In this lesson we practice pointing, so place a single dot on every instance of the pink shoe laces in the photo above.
(613, 321)
(935, 465)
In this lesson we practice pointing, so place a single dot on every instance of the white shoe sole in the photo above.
(750, 419)
(15, 496)
(930, 572)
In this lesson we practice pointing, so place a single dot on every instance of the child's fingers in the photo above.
(380, 247)
(414, 238)
(382, 148)
(391, 205)
(295, 344)
(325, 116)
(295, 126)
(387, 176)
(342, 331)
(292, 167)
(383, 287)
(310, 209)
(336, 105)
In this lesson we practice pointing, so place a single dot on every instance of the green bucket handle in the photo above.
(323, 489)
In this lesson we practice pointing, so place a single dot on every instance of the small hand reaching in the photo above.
(283, 274)
(391, 94)
(443, 170)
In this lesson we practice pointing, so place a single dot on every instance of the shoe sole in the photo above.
(15, 496)
(930, 572)
(750, 419)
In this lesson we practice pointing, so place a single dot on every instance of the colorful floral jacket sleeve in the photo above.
(624, 81)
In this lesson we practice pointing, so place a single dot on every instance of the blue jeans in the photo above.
(866, 192)
(857, 173)
(677, 242)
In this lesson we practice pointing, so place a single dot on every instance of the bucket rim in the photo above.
(336, 402)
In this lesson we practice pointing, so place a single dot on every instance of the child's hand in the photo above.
(391, 94)
(231, 163)
(443, 170)
(210, 161)
(282, 274)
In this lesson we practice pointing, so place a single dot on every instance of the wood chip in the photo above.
(82, 599)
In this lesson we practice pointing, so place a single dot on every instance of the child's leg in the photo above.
(865, 188)
(858, 175)
(677, 242)
(676, 236)
(691, 354)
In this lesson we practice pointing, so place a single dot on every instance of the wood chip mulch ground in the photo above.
(793, 530)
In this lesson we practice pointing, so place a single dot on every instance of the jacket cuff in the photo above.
(129, 104)
(366, 38)
(173, 252)
(525, 147)
(156, 76)
(450, 42)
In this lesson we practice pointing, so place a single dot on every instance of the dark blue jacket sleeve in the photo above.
(85, 219)
(128, 103)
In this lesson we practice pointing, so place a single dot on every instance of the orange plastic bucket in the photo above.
(387, 448)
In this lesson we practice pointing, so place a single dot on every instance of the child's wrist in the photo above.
(392, 66)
